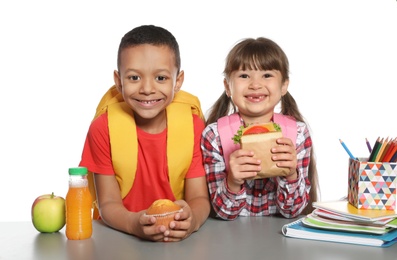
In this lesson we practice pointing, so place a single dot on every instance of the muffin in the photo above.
(164, 210)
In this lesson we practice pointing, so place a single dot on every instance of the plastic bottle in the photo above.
(78, 205)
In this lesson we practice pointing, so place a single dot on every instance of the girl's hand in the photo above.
(285, 156)
(242, 166)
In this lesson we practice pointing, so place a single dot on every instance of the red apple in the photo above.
(48, 213)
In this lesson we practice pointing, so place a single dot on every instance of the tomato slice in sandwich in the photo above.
(257, 129)
(261, 128)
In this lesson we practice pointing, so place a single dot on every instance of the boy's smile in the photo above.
(149, 103)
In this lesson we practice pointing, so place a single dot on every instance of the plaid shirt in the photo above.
(259, 197)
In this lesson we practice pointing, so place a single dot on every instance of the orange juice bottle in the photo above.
(78, 205)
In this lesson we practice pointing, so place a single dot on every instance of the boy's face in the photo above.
(148, 81)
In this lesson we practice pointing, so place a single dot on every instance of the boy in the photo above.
(144, 144)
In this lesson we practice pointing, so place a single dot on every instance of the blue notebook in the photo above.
(296, 229)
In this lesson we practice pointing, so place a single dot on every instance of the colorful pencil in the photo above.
(368, 145)
(389, 153)
(375, 149)
(393, 154)
(394, 158)
(347, 150)
(382, 150)
(378, 150)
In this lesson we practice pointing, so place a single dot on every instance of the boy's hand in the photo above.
(182, 227)
(148, 230)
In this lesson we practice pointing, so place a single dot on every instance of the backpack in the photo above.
(123, 139)
(228, 126)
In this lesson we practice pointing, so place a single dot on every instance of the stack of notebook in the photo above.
(339, 221)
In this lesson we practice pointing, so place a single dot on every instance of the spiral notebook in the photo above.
(297, 229)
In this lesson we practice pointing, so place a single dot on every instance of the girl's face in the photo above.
(148, 80)
(256, 93)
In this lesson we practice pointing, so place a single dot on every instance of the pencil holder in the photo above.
(372, 185)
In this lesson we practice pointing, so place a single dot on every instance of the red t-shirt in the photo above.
(151, 178)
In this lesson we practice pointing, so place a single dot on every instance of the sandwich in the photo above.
(261, 138)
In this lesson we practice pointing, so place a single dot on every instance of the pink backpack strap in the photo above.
(288, 126)
(227, 128)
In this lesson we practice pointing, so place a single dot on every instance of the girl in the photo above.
(256, 80)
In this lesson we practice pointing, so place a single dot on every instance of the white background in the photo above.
(57, 59)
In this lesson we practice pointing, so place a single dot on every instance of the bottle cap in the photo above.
(78, 171)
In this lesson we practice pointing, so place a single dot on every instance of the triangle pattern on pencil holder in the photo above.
(372, 185)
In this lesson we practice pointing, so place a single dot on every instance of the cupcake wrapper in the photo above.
(164, 214)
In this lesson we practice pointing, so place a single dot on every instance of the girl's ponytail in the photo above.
(290, 108)
(220, 108)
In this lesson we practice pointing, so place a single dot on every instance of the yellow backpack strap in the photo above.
(180, 141)
(124, 144)
(180, 138)
(192, 101)
(110, 97)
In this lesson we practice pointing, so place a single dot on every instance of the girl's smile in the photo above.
(255, 97)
